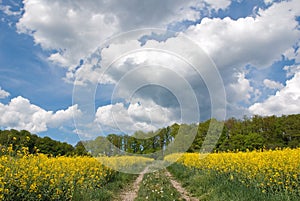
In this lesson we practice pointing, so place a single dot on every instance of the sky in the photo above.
(74, 70)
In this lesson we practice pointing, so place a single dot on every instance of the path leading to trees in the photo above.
(179, 188)
(132, 194)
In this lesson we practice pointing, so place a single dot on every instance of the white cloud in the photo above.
(291, 70)
(258, 40)
(271, 84)
(222, 4)
(76, 28)
(59, 117)
(286, 101)
(3, 93)
(241, 90)
(155, 63)
(71, 28)
(137, 116)
(293, 53)
(7, 10)
(21, 114)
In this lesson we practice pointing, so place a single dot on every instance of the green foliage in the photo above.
(212, 186)
(35, 144)
(157, 186)
(261, 132)
(107, 192)
(247, 134)
(233, 134)
(80, 149)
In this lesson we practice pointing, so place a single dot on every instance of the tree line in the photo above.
(17, 140)
(233, 134)
(257, 132)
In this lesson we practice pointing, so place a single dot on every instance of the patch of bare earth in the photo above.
(131, 194)
(180, 189)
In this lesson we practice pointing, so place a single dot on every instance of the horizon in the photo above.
(154, 131)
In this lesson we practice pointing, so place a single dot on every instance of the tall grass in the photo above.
(213, 186)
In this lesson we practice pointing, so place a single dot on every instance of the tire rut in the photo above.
(132, 194)
(180, 189)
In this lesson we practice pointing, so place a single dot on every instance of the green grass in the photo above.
(108, 192)
(157, 186)
(210, 186)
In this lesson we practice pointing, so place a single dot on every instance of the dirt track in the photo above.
(180, 189)
(132, 194)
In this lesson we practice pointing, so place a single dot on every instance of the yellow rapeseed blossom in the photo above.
(129, 164)
(40, 177)
(270, 170)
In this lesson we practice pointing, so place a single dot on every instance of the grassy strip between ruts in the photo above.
(157, 186)
(210, 186)
(107, 192)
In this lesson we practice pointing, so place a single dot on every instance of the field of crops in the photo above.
(244, 176)
(40, 177)
(268, 171)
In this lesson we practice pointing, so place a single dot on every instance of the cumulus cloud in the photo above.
(158, 63)
(293, 53)
(76, 28)
(241, 90)
(285, 101)
(291, 70)
(137, 116)
(68, 27)
(232, 44)
(20, 114)
(258, 40)
(272, 84)
(3, 93)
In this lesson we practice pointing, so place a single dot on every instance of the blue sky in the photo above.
(50, 48)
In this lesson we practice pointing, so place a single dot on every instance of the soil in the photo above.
(131, 194)
(180, 189)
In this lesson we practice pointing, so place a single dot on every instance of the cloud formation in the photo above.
(241, 90)
(258, 40)
(74, 29)
(20, 114)
(137, 116)
(285, 101)
(3, 93)
(272, 84)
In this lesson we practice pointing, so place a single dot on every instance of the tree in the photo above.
(80, 149)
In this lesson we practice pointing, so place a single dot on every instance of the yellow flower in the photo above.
(267, 169)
